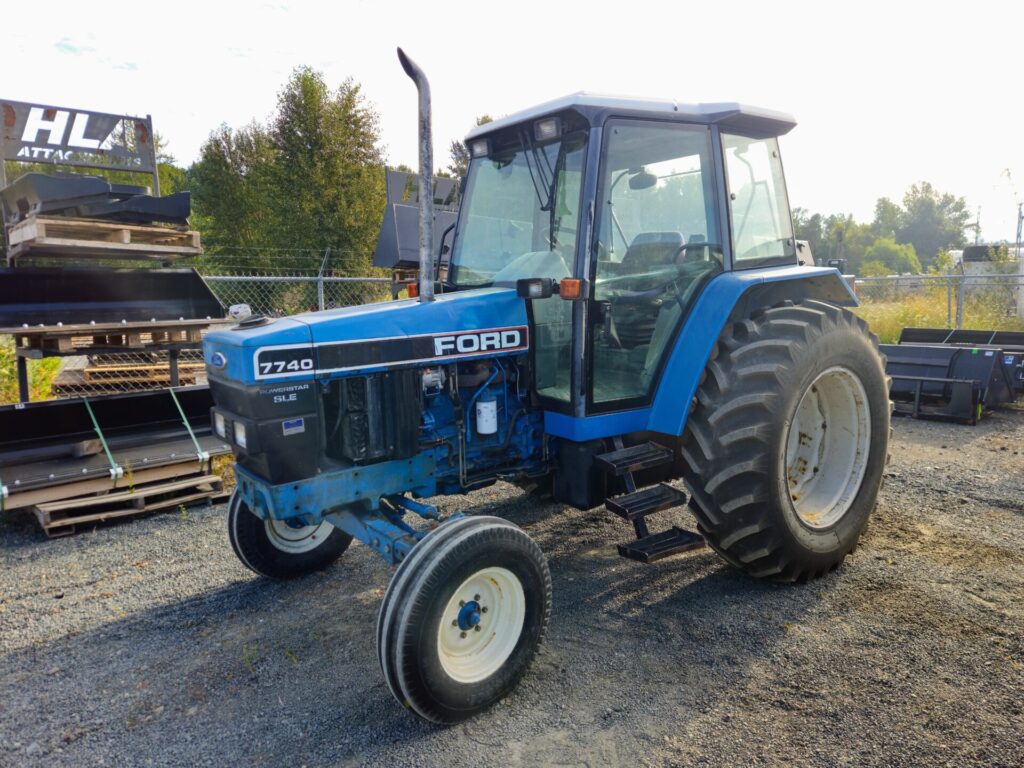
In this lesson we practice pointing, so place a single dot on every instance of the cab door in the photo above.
(657, 244)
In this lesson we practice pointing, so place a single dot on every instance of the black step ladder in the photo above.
(635, 505)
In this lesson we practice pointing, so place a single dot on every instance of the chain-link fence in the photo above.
(276, 296)
(992, 297)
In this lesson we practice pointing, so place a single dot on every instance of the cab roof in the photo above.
(756, 122)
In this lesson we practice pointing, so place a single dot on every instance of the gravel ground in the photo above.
(147, 643)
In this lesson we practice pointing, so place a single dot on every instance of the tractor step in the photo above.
(647, 501)
(660, 545)
(634, 458)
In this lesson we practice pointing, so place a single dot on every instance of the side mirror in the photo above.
(535, 288)
(644, 179)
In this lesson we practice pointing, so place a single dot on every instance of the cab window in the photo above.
(762, 227)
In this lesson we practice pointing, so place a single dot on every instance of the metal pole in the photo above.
(320, 281)
(172, 365)
(23, 393)
(152, 151)
(1020, 263)
(949, 301)
(3, 183)
(959, 301)
(426, 178)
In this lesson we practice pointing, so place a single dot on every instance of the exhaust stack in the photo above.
(426, 178)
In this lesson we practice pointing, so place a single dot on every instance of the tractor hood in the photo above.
(484, 322)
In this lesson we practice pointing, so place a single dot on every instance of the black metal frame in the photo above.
(964, 398)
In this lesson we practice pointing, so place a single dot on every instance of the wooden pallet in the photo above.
(72, 383)
(135, 374)
(49, 340)
(32, 497)
(59, 518)
(59, 236)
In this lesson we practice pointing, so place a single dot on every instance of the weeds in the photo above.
(41, 374)
(249, 656)
(930, 310)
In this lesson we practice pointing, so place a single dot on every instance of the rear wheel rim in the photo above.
(827, 447)
(297, 539)
(481, 625)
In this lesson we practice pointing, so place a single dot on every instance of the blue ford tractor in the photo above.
(624, 305)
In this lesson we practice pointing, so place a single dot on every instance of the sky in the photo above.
(885, 93)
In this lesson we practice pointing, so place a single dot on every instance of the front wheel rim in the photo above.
(296, 539)
(481, 625)
(827, 446)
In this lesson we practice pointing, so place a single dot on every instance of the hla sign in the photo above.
(35, 133)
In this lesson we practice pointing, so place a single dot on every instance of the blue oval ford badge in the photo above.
(218, 360)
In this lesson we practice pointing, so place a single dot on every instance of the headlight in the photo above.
(240, 434)
(219, 426)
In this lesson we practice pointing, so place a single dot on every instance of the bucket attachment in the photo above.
(947, 381)
(81, 296)
(63, 442)
(1010, 343)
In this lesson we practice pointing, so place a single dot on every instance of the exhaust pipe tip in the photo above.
(407, 63)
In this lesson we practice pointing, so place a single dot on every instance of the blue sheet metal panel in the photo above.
(593, 427)
(701, 330)
(360, 486)
(463, 311)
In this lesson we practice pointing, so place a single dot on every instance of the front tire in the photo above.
(786, 446)
(279, 550)
(463, 618)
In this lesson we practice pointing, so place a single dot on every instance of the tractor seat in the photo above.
(651, 249)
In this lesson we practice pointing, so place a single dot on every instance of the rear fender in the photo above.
(731, 296)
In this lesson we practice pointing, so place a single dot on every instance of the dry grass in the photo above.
(929, 310)
(224, 468)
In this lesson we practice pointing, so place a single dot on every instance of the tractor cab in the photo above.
(639, 205)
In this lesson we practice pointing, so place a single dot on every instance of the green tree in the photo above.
(810, 227)
(943, 264)
(846, 239)
(874, 269)
(888, 218)
(898, 258)
(1000, 254)
(328, 169)
(233, 188)
(311, 179)
(460, 154)
(932, 221)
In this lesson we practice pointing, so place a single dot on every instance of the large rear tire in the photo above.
(279, 550)
(786, 446)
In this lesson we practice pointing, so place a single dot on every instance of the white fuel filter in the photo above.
(486, 416)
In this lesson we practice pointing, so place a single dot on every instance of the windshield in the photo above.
(520, 213)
